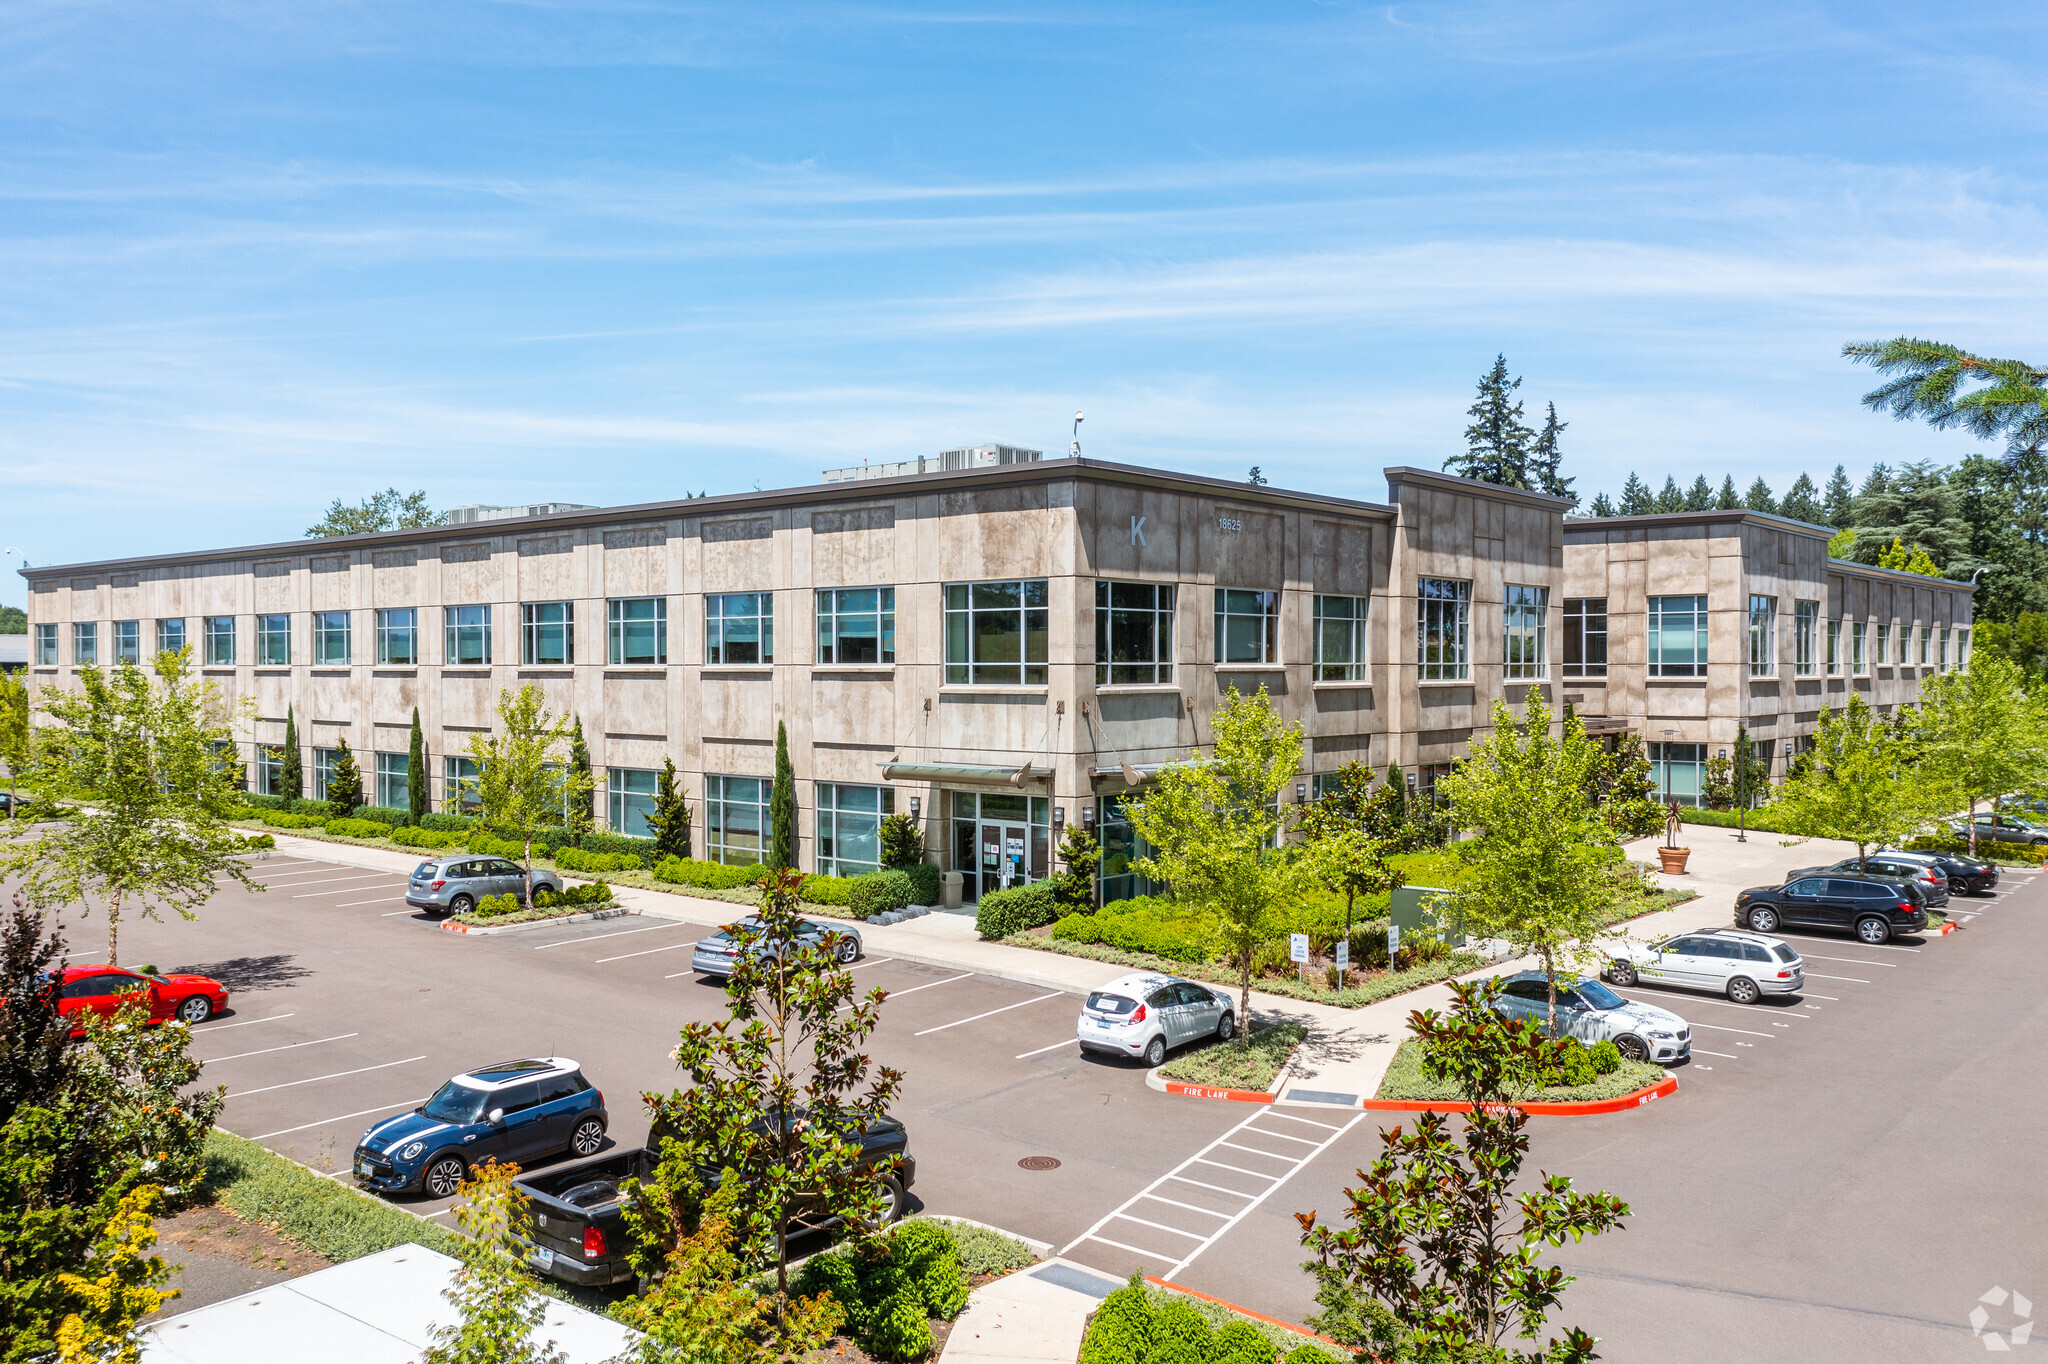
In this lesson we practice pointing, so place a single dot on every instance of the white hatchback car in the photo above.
(1145, 1014)
(1743, 966)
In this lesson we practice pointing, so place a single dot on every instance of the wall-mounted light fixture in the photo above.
(914, 803)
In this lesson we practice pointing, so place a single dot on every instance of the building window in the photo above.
(220, 640)
(1678, 770)
(85, 642)
(458, 784)
(736, 819)
(1339, 639)
(170, 634)
(1941, 650)
(1677, 636)
(629, 793)
(1525, 633)
(547, 633)
(1585, 637)
(1804, 614)
(1000, 840)
(1427, 775)
(739, 629)
(1834, 647)
(856, 625)
(226, 759)
(1443, 630)
(270, 769)
(1882, 653)
(1962, 649)
(127, 641)
(330, 639)
(323, 771)
(1856, 632)
(1121, 848)
(1247, 626)
(1763, 636)
(1926, 641)
(996, 633)
(469, 635)
(273, 641)
(394, 790)
(1133, 633)
(398, 636)
(638, 629)
(850, 827)
(46, 645)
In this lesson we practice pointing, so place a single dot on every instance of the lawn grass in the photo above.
(1405, 1079)
(1229, 1065)
(330, 1219)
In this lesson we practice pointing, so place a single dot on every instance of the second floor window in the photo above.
(1834, 647)
(1926, 639)
(1525, 630)
(1856, 629)
(85, 642)
(220, 640)
(1585, 636)
(398, 636)
(273, 641)
(330, 638)
(739, 629)
(1340, 639)
(1805, 614)
(996, 633)
(1676, 636)
(1763, 636)
(127, 641)
(1443, 630)
(170, 634)
(1962, 649)
(1133, 633)
(856, 624)
(469, 635)
(638, 629)
(1883, 652)
(46, 645)
(547, 633)
(1941, 652)
(1247, 626)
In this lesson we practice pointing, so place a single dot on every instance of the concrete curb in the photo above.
(1172, 1287)
(1154, 1080)
(618, 912)
(1641, 1098)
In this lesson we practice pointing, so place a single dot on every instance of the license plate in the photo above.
(541, 1257)
(363, 1167)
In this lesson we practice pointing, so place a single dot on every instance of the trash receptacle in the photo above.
(949, 890)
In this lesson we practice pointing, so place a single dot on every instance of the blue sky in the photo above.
(254, 256)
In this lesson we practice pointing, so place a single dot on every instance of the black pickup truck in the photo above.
(577, 1234)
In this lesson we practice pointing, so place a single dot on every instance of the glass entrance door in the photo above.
(1003, 862)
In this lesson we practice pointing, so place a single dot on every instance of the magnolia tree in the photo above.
(1984, 732)
(1865, 782)
(524, 779)
(136, 752)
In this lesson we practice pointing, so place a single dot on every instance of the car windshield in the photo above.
(1598, 995)
(455, 1102)
(1111, 1004)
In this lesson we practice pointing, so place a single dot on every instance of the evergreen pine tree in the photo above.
(580, 820)
(1603, 505)
(1727, 500)
(1669, 497)
(1497, 444)
(1759, 499)
(1635, 497)
(1544, 458)
(416, 775)
(1700, 496)
(344, 783)
(292, 781)
(1839, 497)
(1879, 481)
(1257, 477)
(670, 822)
(1802, 502)
(782, 805)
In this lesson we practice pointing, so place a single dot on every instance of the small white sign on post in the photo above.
(1343, 960)
(1297, 947)
(1393, 942)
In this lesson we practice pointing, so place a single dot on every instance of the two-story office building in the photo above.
(994, 650)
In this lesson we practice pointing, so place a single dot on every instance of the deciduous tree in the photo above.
(500, 1307)
(388, 510)
(1984, 732)
(1862, 782)
(14, 734)
(523, 778)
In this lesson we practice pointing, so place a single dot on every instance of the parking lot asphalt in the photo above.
(1835, 1176)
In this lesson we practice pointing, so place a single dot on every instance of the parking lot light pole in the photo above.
(1741, 796)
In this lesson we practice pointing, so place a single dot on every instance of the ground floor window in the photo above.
(270, 769)
(394, 787)
(630, 791)
(850, 827)
(323, 771)
(1121, 848)
(736, 819)
(458, 784)
(1000, 840)
(1427, 775)
(1679, 770)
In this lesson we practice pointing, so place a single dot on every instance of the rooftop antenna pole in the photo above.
(1074, 446)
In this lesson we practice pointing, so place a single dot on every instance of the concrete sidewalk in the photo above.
(1038, 1314)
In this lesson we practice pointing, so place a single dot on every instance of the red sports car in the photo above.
(103, 989)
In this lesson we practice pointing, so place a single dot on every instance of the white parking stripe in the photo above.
(1027, 1055)
(1859, 961)
(595, 937)
(871, 961)
(1837, 942)
(359, 876)
(217, 1027)
(915, 988)
(1816, 975)
(289, 1046)
(1744, 1031)
(311, 1079)
(396, 912)
(1326, 1126)
(1282, 1136)
(1135, 1250)
(1829, 998)
(1216, 1188)
(380, 900)
(349, 890)
(1725, 1056)
(990, 1014)
(1723, 1004)
(672, 947)
(380, 1108)
(1234, 1169)
(1207, 1212)
(1253, 1150)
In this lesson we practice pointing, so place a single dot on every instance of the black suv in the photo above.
(1874, 909)
(1931, 881)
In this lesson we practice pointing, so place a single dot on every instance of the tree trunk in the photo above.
(114, 930)
(1244, 997)
(1970, 819)
(1550, 974)
(529, 870)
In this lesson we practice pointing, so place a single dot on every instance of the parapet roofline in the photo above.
(814, 494)
(1769, 520)
(1475, 487)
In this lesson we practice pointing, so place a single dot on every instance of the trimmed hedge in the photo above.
(596, 893)
(596, 842)
(447, 824)
(573, 859)
(384, 814)
(310, 807)
(278, 819)
(925, 882)
(421, 838)
(254, 842)
(1003, 912)
(1762, 818)
(688, 871)
(1144, 923)
(820, 889)
(357, 828)
(256, 800)
(491, 906)
(880, 892)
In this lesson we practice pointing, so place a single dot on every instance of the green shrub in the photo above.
(1606, 1058)
(384, 814)
(1575, 1066)
(416, 838)
(879, 892)
(1178, 1323)
(688, 871)
(1240, 1338)
(831, 1272)
(256, 800)
(902, 841)
(1142, 924)
(356, 828)
(1003, 912)
(1121, 1332)
(258, 841)
(932, 1263)
(899, 1330)
(983, 1250)
(596, 893)
(491, 906)
(278, 819)
(1309, 1354)
(310, 807)
(574, 859)
(925, 882)
(489, 845)
(618, 844)
(820, 889)
(447, 824)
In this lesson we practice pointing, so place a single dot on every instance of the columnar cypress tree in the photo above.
(416, 773)
(580, 819)
(782, 805)
(293, 780)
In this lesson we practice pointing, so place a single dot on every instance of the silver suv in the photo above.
(1743, 966)
(453, 885)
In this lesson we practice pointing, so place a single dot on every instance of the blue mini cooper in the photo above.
(513, 1111)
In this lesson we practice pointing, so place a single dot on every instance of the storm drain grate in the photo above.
(1038, 1163)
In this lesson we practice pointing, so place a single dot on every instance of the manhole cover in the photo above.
(1038, 1163)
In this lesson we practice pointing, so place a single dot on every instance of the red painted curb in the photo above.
(1243, 1096)
(454, 928)
(1667, 1086)
(1243, 1311)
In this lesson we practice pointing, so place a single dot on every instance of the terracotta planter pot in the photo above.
(1673, 860)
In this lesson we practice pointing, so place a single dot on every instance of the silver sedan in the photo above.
(715, 955)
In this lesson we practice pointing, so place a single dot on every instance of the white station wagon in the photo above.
(1743, 966)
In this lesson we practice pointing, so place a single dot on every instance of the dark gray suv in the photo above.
(453, 885)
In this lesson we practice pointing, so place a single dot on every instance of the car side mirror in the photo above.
(497, 1115)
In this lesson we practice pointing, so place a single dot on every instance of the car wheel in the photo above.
(1622, 973)
(848, 951)
(1763, 919)
(461, 904)
(1226, 1026)
(195, 1009)
(444, 1176)
(894, 1201)
(1632, 1048)
(1155, 1052)
(588, 1136)
(1742, 990)
(1873, 930)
